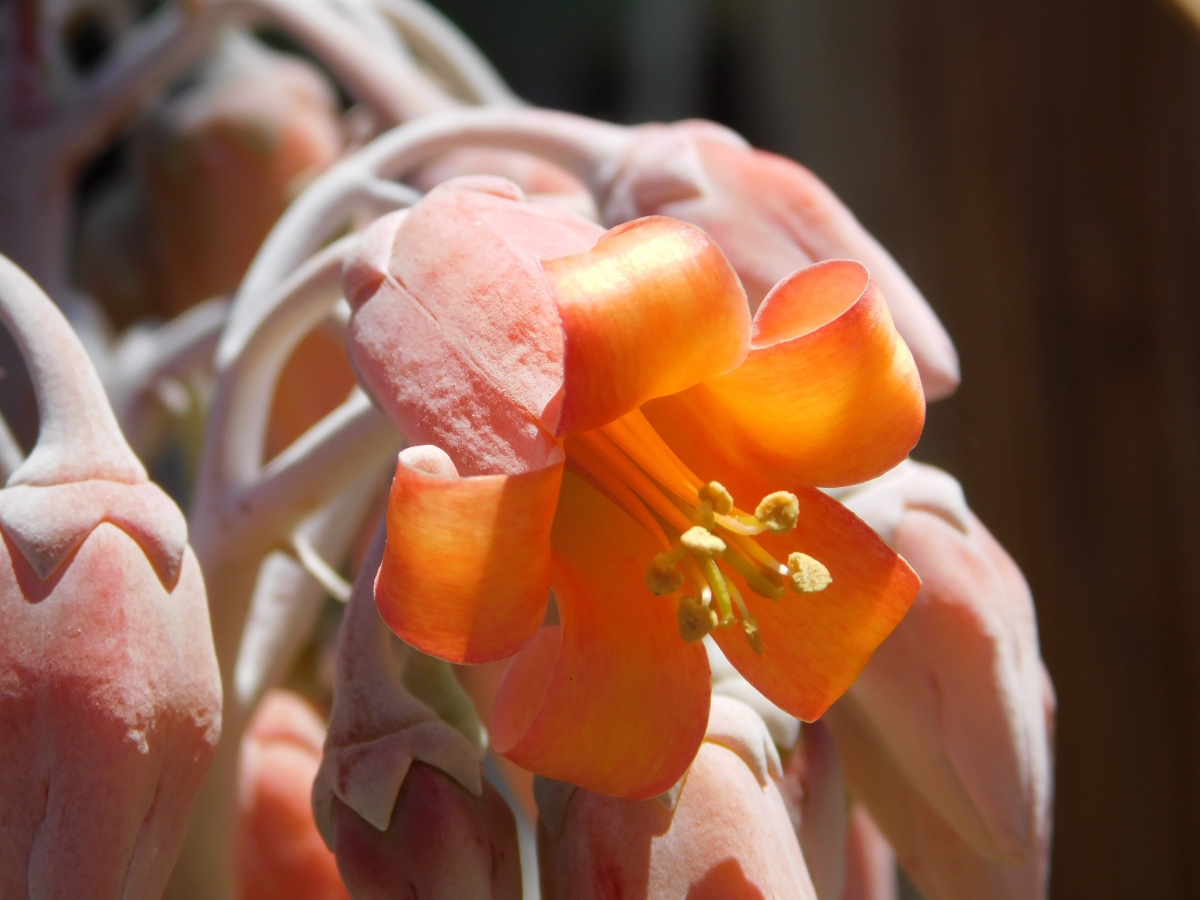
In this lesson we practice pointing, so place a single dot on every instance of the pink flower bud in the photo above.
(946, 735)
(399, 796)
(110, 695)
(280, 853)
(722, 834)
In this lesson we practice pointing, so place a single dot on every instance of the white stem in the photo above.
(590, 149)
(325, 460)
(449, 52)
(287, 600)
(11, 454)
(391, 84)
(145, 356)
(78, 438)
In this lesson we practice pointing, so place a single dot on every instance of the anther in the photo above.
(808, 575)
(722, 501)
(695, 619)
(750, 626)
(779, 512)
(662, 577)
(702, 542)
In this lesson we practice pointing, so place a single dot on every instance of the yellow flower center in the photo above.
(703, 535)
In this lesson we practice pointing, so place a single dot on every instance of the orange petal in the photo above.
(466, 570)
(815, 645)
(652, 309)
(613, 700)
(829, 394)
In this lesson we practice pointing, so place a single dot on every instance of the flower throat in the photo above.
(703, 535)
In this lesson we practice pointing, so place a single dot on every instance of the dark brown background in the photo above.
(1034, 166)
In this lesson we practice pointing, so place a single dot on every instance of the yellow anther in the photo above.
(695, 619)
(779, 512)
(702, 542)
(662, 577)
(750, 626)
(722, 501)
(808, 575)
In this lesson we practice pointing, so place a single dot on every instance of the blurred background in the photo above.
(1035, 166)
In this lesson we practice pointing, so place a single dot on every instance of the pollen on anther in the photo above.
(779, 511)
(662, 576)
(809, 576)
(702, 542)
(695, 619)
(722, 501)
(750, 627)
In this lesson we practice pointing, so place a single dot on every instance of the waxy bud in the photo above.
(110, 695)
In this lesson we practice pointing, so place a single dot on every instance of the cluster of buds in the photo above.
(588, 339)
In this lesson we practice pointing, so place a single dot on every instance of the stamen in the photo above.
(720, 591)
(630, 460)
(756, 552)
(779, 511)
(662, 577)
(722, 501)
(634, 477)
(638, 427)
(695, 575)
(702, 543)
(750, 627)
(626, 498)
(695, 618)
(749, 623)
(756, 580)
(808, 575)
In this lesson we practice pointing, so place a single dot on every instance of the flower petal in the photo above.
(613, 700)
(455, 329)
(828, 395)
(815, 645)
(466, 570)
(770, 216)
(652, 309)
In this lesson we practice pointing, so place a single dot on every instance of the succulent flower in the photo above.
(571, 382)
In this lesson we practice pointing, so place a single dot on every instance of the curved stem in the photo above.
(590, 149)
(143, 357)
(449, 52)
(78, 438)
(391, 84)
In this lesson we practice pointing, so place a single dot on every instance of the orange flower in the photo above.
(577, 381)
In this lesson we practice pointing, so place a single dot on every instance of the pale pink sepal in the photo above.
(870, 861)
(399, 796)
(725, 835)
(815, 793)
(954, 706)
(47, 523)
